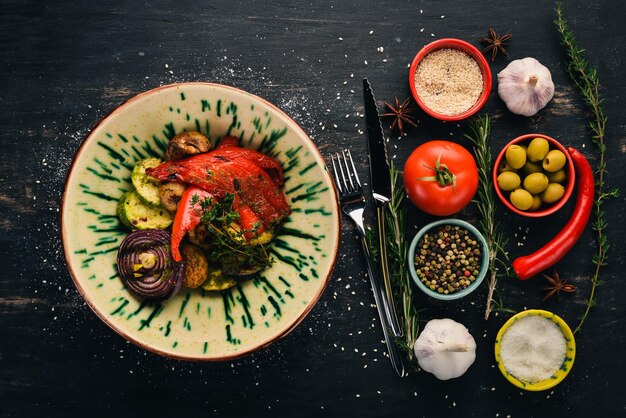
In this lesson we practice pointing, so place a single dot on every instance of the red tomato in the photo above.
(440, 177)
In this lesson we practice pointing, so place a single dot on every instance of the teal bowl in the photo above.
(484, 263)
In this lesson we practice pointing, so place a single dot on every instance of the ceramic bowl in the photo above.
(569, 170)
(568, 362)
(197, 325)
(452, 43)
(483, 263)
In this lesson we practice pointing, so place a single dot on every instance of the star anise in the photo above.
(496, 43)
(401, 112)
(556, 284)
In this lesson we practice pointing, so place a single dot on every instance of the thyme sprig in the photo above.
(398, 249)
(228, 240)
(586, 81)
(498, 258)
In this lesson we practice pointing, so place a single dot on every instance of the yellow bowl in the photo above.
(559, 375)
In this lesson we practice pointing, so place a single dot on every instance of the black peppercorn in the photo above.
(449, 259)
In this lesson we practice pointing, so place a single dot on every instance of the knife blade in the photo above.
(381, 192)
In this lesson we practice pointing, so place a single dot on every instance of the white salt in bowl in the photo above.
(475, 54)
(560, 373)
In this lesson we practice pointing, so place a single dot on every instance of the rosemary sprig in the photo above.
(498, 258)
(397, 257)
(586, 81)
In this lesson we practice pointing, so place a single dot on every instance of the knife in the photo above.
(381, 192)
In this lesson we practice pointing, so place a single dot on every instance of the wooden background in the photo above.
(65, 65)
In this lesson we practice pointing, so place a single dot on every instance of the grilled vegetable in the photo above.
(134, 213)
(146, 186)
(170, 194)
(222, 172)
(196, 265)
(146, 267)
(188, 216)
(218, 281)
(186, 144)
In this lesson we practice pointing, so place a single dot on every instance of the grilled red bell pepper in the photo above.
(249, 222)
(188, 216)
(268, 164)
(228, 141)
(529, 265)
(232, 174)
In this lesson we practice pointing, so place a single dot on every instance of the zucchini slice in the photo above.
(217, 281)
(134, 213)
(146, 186)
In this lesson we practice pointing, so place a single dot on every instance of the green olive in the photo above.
(504, 166)
(508, 181)
(535, 183)
(557, 177)
(536, 203)
(554, 161)
(553, 193)
(530, 168)
(521, 199)
(537, 149)
(515, 156)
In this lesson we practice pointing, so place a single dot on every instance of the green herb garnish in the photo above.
(395, 216)
(479, 136)
(229, 245)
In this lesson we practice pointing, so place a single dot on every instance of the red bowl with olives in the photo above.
(448, 259)
(534, 175)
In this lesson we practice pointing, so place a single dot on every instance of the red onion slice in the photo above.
(145, 265)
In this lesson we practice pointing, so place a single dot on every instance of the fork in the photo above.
(353, 204)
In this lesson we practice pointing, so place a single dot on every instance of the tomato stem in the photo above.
(443, 176)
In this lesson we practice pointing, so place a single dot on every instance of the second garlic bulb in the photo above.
(525, 86)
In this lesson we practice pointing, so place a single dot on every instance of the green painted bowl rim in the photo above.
(570, 347)
(312, 302)
(483, 264)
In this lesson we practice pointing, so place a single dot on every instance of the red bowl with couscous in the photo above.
(450, 79)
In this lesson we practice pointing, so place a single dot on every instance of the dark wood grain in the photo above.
(66, 65)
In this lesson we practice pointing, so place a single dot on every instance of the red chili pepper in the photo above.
(529, 265)
(187, 217)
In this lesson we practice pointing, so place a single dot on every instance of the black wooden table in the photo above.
(65, 65)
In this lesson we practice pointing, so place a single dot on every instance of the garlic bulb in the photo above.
(525, 86)
(445, 348)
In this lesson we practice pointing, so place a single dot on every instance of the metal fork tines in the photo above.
(350, 189)
(353, 204)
